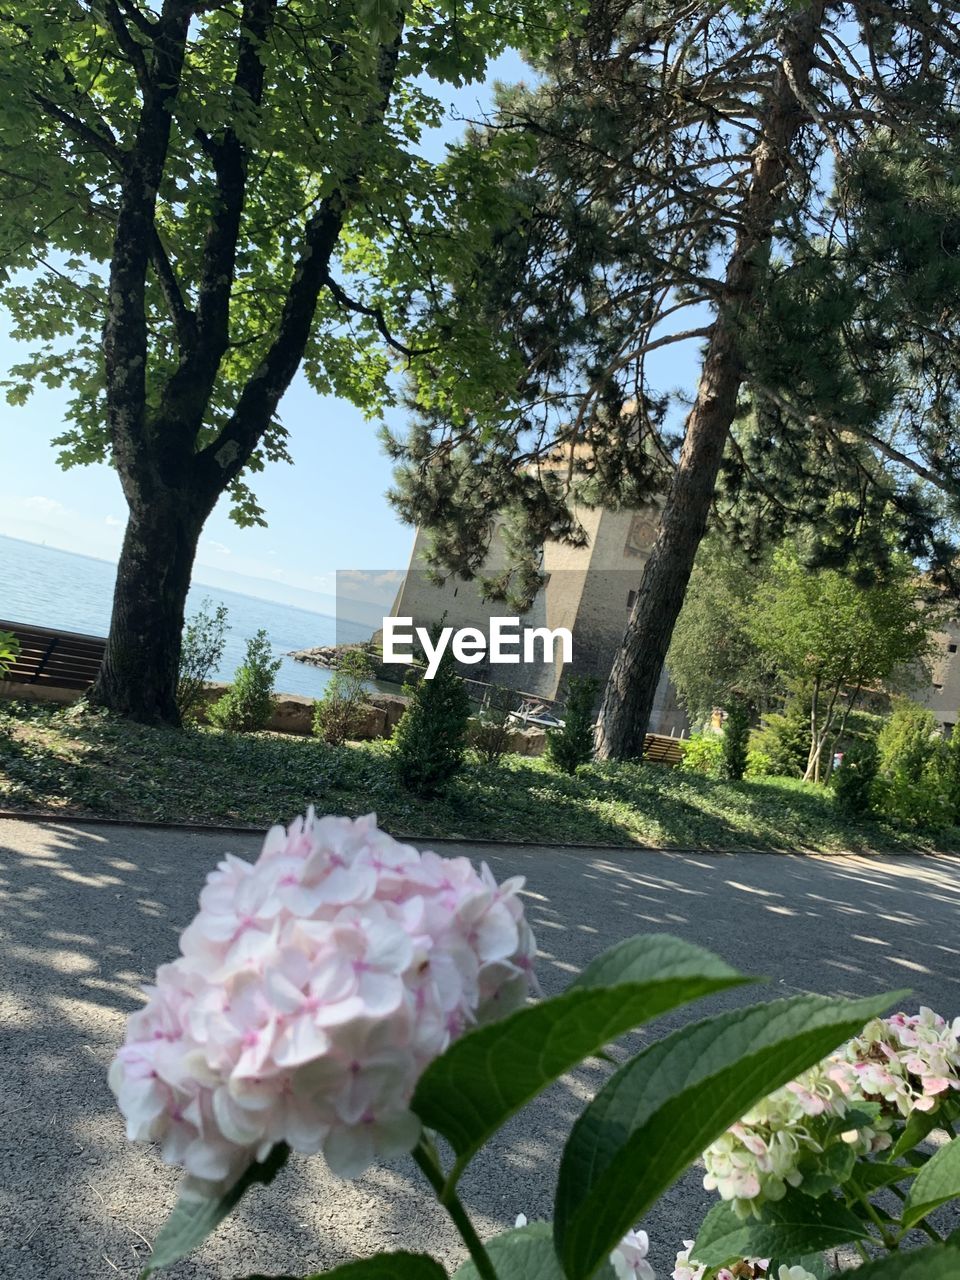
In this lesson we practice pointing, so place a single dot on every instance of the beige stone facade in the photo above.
(589, 590)
(942, 694)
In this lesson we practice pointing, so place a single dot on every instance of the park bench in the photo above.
(57, 659)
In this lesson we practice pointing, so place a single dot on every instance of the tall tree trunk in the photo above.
(138, 678)
(628, 699)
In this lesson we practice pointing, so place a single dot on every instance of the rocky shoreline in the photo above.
(329, 655)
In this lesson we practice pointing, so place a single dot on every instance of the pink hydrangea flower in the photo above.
(312, 989)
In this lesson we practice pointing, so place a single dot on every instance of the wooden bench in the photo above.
(55, 659)
(660, 748)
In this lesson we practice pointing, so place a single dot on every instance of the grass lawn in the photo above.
(76, 762)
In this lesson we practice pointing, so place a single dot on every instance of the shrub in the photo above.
(785, 738)
(247, 704)
(702, 753)
(854, 781)
(911, 784)
(337, 713)
(759, 764)
(9, 651)
(490, 730)
(204, 636)
(733, 744)
(572, 745)
(430, 738)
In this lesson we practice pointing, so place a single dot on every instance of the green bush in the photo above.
(785, 738)
(9, 651)
(733, 744)
(911, 783)
(337, 713)
(204, 636)
(248, 703)
(854, 783)
(490, 731)
(572, 745)
(759, 764)
(702, 753)
(430, 739)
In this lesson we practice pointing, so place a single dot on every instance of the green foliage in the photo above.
(572, 745)
(789, 1228)
(854, 783)
(826, 634)
(951, 773)
(759, 764)
(713, 653)
(785, 738)
(75, 764)
(702, 753)
(204, 637)
(674, 1098)
(9, 651)
(912, 755)
(490, 730)
(248, 703)
(429, 741)
(936, 1183)
(337, 712)
(734, 743)
(484, 1079)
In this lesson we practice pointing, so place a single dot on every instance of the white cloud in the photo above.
(43, 506)
(220, 548)
(113, 522)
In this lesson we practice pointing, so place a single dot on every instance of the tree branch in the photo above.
(377, 316)
(131, 49)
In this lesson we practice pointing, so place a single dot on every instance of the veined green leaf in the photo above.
(659, 1111)
(489, 1074)
(936, 1183)
(788, 1229)
(526, 1253)
(939, 1262)
(192, 1220)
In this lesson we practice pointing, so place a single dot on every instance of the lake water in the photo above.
(46, 587)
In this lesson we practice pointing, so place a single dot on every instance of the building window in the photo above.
(951, 648)
(631, 599)
(938, 687)
(948, 728)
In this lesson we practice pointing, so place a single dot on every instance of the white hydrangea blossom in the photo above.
(744, 1269)
(312, 989)
(903, 1063)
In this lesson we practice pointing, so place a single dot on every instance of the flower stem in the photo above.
(425, 1155)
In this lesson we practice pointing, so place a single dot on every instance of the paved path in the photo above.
(87, 913)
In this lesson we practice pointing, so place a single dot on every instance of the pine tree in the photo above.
(619, 243)
(572, 745)
(430, 738)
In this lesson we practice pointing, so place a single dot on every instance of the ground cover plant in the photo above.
(77, 761)
(350, 996)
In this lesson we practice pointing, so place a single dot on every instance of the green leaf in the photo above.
(659, 1111)
(939, 1262)
(192, 1220)
(868, 1176)
(827, 1169)
(936, 1183)
(526, 1253)
(489, 1074)
(787, 1228)
(385, 1266)
(922, 1123)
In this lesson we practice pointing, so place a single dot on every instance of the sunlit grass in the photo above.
(81, 762)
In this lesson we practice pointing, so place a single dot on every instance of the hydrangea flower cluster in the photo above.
(903, 1063)
(312, 989)
(757, 1158)
(745, 1269)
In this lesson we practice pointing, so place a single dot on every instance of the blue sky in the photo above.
(324, 513)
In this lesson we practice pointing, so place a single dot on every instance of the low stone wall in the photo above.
(294, 714)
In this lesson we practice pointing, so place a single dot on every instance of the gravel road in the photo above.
(87, 912)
